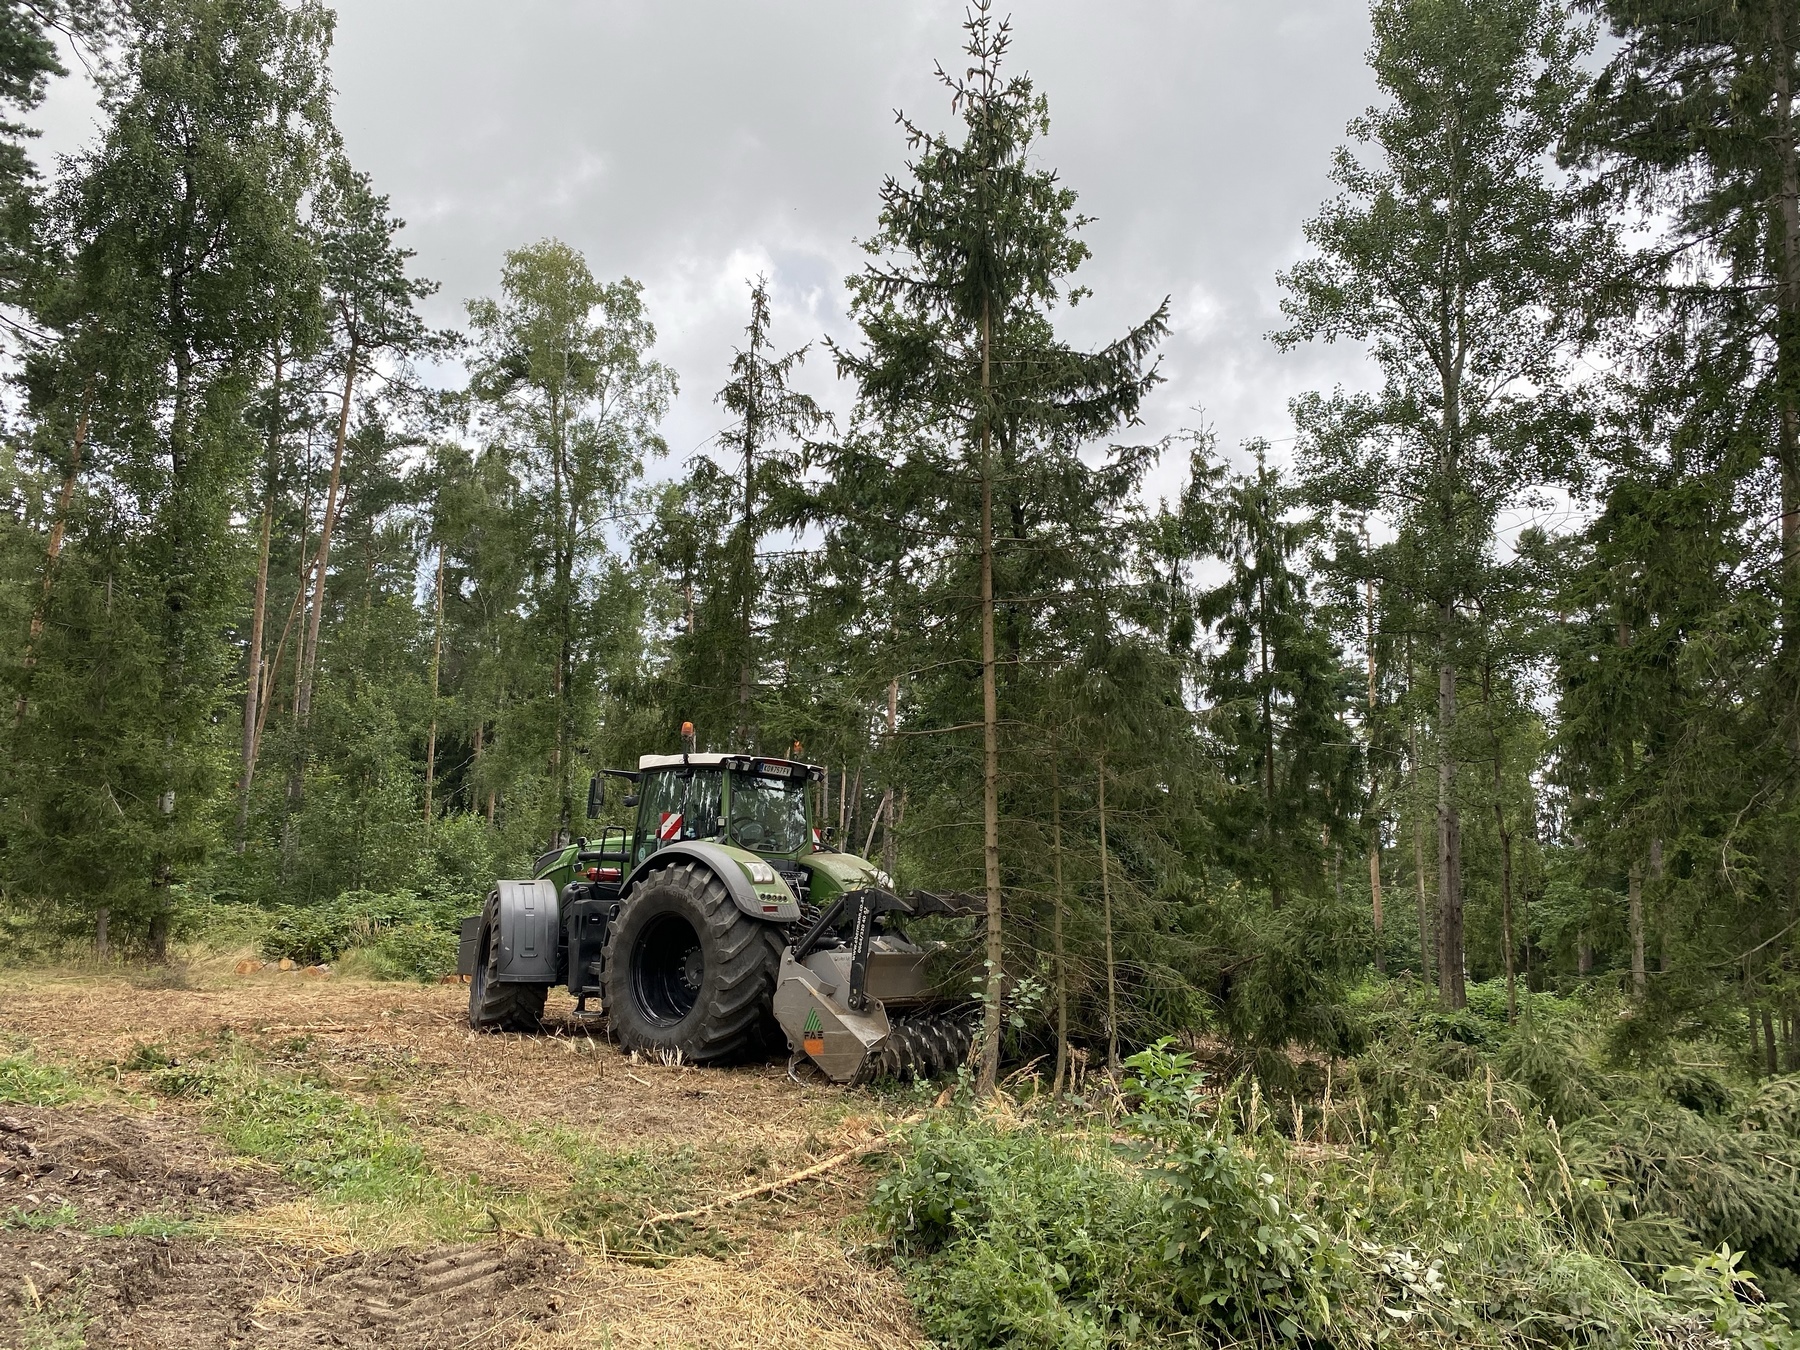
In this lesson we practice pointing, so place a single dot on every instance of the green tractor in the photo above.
(717, 924)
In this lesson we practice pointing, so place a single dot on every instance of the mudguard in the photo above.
(774, 903)
(530, 932)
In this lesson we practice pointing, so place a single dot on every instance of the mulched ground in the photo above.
(193, 1294)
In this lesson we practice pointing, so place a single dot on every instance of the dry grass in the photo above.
(562, 1135)
(798, 1291)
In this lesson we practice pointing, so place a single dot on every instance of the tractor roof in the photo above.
(758, 764)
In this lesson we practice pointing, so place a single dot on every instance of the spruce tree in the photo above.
(975, 246)
(1276, 693)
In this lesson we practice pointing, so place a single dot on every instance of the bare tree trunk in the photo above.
(890, 846)
(1768, 1026)
(1112, 982)
(1427, 927)
(253, 686)
(102, 939)
(1056, 927)
(990, 739)
(1634, 922)
(309, 650)
(882, 812)
(1506, 852)
(1451, 993)
(437, 652)
(1664, 920)
(1374, 794)
(53, 550)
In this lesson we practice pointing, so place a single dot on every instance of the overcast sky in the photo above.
(694, 145)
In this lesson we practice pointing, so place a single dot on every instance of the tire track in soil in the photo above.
(196, 1294)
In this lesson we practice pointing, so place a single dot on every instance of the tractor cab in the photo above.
(757, 804)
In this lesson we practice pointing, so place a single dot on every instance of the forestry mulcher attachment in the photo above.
(716, 923)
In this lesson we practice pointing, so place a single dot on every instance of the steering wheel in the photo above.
(747, 830)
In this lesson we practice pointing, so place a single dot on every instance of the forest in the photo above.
(1458, 746)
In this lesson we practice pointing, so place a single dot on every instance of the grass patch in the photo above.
(42, 1220)
(334, 1147)
(59, 1323)
(67, 1217)
(26, 1081)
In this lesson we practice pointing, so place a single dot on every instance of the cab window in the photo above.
(693, 794)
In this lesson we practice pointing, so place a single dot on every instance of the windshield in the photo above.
(768, 815)
(677, 804)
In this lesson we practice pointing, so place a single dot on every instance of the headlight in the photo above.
(761, 873)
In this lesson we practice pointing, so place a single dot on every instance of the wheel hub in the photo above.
(668, 969)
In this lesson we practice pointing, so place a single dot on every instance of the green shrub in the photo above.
(1030, 1239)
(410, 938)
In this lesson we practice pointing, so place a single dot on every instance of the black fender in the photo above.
(728, 870)
(530, 932)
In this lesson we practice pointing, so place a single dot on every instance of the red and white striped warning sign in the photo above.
(670, 826)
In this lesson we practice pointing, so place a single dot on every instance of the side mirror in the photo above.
(596, 797)
(828, 837)
(631, 799)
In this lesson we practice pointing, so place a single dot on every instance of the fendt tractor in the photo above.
(719, 920)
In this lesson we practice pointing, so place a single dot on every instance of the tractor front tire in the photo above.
(689, 974)
(495, 1005)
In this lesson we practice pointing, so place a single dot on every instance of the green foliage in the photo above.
(408, 937)
(26, 1081)
(1028, 1238)
(333, 1146)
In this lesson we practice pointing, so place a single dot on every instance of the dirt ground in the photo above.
(128, 1219)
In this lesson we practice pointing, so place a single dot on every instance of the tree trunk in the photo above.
(1768, 1025)
(1056, 927)
(1506, 851)
(1374, 795)
(990, 739)
(1112, 982)
(53, 550)
(102, 940)
(1451, 993)
(1506, 911)
(309, 647)
(1427, 927)
(437, 652)
(253, 686)
(1584, 957)
(890, 846)
(1634, 923)
(746, 598)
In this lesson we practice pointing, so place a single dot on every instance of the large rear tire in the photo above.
(688, 973)
(494, 1005)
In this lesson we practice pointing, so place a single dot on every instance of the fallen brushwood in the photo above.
(824, 1165)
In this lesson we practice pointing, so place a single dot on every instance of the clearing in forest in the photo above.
(208, 1159)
